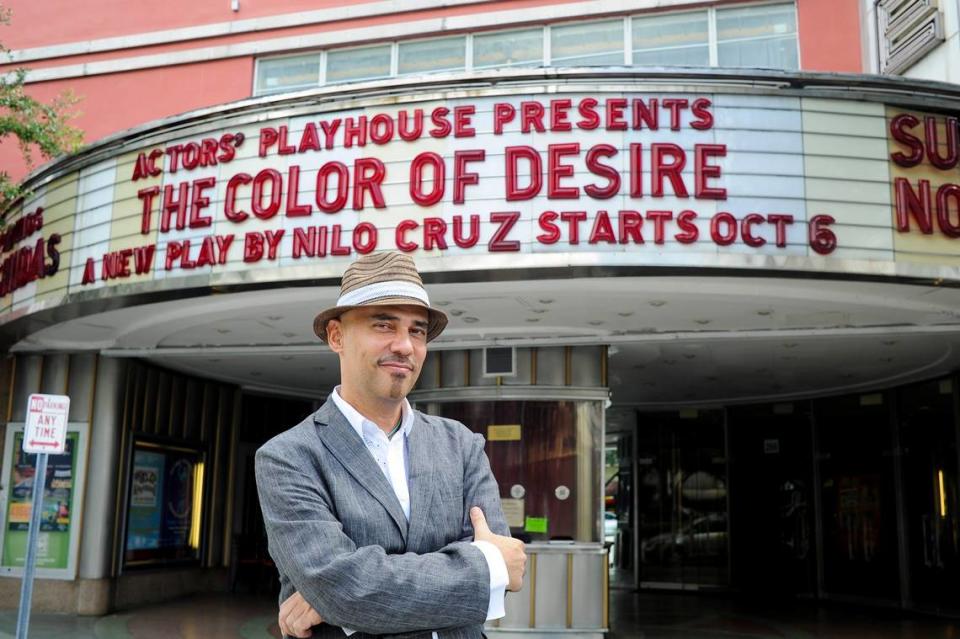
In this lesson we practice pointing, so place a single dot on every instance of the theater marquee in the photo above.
(543, 174)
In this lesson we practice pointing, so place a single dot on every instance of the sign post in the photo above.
(45, 433)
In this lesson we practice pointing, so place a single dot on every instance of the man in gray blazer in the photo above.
(376, 514)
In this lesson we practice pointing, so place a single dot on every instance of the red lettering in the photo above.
(602, 230)
(628, 227)
(230, 197)
(556, 170)
(531, 116)
(719, 235)
(551, 232)
(898, 126)
(470, 240)
(746, 230)
(685, 221)
(780, 221)
(512, 155)
(364, 238)
(595, 166)
(368, 174)
(400, 236)
(342, 174)
(573, 219)
(502, 114)
(462, 177)
(499, 242)
(462, 120)
(702, 171)
(441, 125)
(273, 179)
(660, 219)
(671, 170)
(416, 182)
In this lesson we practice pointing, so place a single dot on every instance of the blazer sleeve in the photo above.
(362, 588)
(480, 488)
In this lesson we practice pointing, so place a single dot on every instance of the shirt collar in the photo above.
(357, 420)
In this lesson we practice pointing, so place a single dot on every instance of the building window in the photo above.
(508, 49)
(676, 39)
(287, 74)
(594, 43)
(760, 36)
(366, 63)
(423, 56)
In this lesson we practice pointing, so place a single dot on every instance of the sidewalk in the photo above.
(635, 616)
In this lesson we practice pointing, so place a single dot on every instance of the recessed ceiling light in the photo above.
(274, 318)
(701, 322)
(656, 303)
(533, 319)
(890, 342)
(546, 301)
(223, 331)
(625, 314)
(595, 322)
(790, 345)
(764, 313)
(456, 313)
(470, 320)
(539, 310)
(289, 334)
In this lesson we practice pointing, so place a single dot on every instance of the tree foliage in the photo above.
(36, 127)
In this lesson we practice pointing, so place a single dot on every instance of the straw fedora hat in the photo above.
(383, 279)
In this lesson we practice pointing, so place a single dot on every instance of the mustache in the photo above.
(403, 361)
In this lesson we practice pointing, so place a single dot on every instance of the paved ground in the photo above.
(636, 616)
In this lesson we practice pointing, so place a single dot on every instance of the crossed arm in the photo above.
(364, 588)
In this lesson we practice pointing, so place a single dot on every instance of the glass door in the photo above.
(683, 502)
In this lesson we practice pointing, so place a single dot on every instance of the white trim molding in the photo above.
(355, 36)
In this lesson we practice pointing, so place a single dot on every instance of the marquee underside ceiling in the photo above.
(675, 341)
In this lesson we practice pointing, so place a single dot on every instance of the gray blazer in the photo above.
(339, 536)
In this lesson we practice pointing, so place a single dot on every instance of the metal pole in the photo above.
(26, 589)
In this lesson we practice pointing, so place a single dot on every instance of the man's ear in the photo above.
(335, 335)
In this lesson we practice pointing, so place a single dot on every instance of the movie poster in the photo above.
(162, 515)
(53, 542)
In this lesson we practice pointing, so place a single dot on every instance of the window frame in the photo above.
(547, 58)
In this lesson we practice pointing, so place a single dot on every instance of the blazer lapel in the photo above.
(342, 441)
(421, 482)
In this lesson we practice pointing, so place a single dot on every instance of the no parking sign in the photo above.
(46, 428)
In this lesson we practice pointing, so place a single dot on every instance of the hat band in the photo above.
(395, 288)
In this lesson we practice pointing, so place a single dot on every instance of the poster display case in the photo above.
(164, 504)
(62, 504)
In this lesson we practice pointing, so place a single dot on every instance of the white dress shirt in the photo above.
(391, 455)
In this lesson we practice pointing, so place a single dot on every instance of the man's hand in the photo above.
(296, 617)
(510, 548)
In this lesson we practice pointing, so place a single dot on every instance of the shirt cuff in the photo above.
(499, 578)
(348, 631)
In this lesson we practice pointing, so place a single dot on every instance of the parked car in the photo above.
(704, 536)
